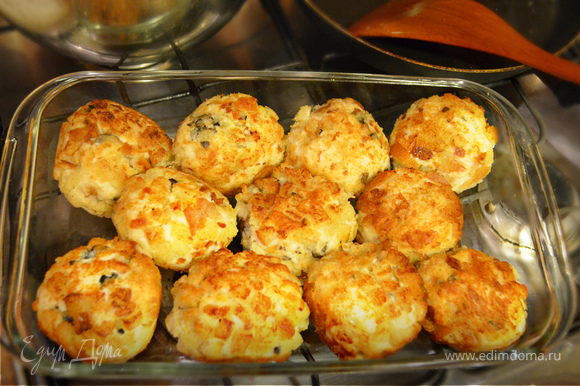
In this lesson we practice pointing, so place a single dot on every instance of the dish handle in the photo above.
(549, 239)
(6, 165)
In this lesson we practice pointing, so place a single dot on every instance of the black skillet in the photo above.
(551, 24)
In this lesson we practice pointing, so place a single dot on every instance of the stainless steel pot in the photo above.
(122, 33)
(551, 24)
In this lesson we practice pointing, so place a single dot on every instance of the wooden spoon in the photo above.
(463, 23)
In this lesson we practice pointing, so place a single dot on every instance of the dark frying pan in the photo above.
(551, 24)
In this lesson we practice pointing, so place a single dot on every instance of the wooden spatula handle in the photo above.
(548, 63)
(463, 23)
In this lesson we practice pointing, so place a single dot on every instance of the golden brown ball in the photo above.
(102, 145)
(174, 217)
(238, 308)
(416, 212)
(100, 298)
(475, 302)
(229, 140)
(295, 216)
(447, 134)
(365, 301)
(339, 140)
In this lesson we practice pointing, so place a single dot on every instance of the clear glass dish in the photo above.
(511, 215)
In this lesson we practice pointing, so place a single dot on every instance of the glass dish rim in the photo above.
(557, 267)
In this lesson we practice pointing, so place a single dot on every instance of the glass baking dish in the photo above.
(511, 215)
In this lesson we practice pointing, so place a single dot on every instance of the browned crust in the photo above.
(230, 140)
(100, 146)
(414, 211)
(339, 140)
(106, 291)
(295, 216)
(243, 308)
(448, 135)
(174, 217)
(475, 302)
(380, 282)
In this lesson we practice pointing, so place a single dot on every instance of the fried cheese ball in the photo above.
(366, 302)
(230, 140)
(238, 308)
(174, 217)
(415, 212)
(446, 134)
(295, 216)
(105, 293)
(99, 147)
(339, 140)
(475, 302)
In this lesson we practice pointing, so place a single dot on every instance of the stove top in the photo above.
(278, 35)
